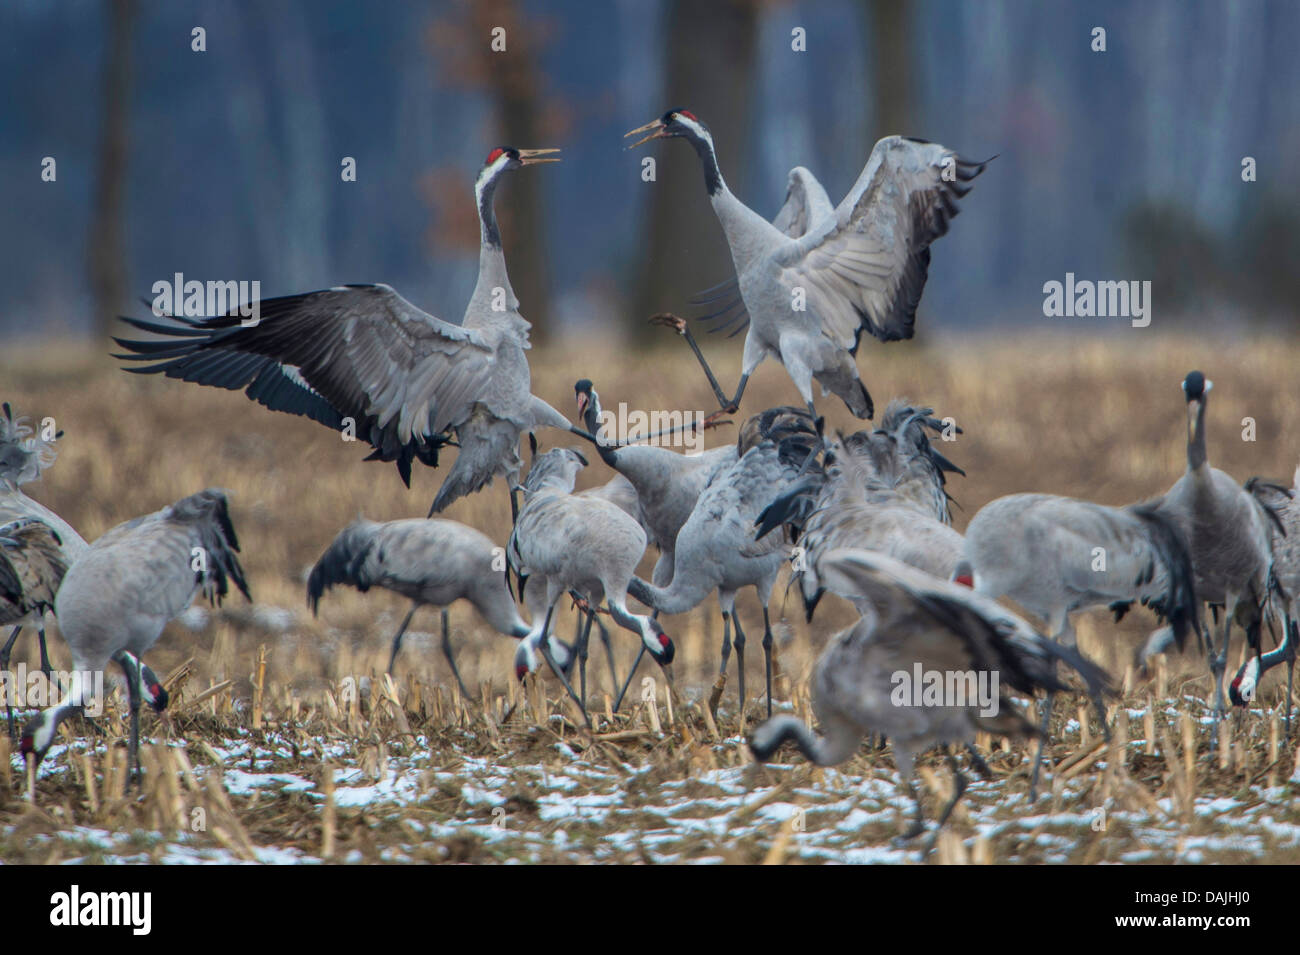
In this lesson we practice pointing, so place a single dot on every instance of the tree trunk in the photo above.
(108, 270)
(709, 71)
(891, 80)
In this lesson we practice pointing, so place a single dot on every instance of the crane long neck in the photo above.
(492, 277)
(820, 750)
(685, 591)
(1283, 651)
(713, 180)
(747, 232)
(489, 234)
(591, 418)
(1197, 455)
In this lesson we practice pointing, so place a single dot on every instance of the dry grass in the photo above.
(1097, 418)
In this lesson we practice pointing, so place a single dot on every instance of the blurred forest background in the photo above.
(225, 164)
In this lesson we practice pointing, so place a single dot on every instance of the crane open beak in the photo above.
(533, 157)
(658, 131)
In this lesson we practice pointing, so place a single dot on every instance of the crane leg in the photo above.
(131, 669)
(582, 658)
(446, 652)
(739, 641)
(918, 815)
(609, 650)
(719, 685)
(1042, 740)
(977, 762)
(401, 631)
(767, 658)
(555, 667)
(45, 654)
(630, 673)
(5, 653)
(680, 326)
(958, 787)
(1291, 634)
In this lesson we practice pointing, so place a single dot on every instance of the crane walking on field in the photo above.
(815, 279)
(362, 359)
(917, 621)
(1228, 535)
(24, 454)
(33, 562)
(432, 563)
(586, 545)
(118, 596)
(717, 548)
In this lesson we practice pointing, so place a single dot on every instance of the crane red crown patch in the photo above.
(494, 155)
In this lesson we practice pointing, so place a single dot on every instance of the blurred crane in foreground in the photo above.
(919, 623)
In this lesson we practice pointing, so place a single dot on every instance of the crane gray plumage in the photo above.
(1228, 536)
(859, 267)
(569, 543)
(718, 550)
(117, 597)
(1058, 555)
(24, 455)
(1041, 550)
(667, 484)
(882, 491)
(430, 562)
(361, 358)
(917, 619)
(33, 562)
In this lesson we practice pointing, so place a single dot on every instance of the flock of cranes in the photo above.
(864, 515)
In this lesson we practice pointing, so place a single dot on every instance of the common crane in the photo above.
(589, 546)
(117, 597)
(362, 358)
(1228, 535)
(33, 562)
(432, 563)
(717, 548)
(860, 267)
(24, 455)
(1058, 555)
(917, 621)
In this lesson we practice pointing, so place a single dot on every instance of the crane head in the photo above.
(584, 393)
(38, 736)
(1196, 386)
(675, 122)
(1242, 689)
(657, 642)
(508, 157)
